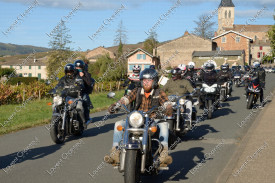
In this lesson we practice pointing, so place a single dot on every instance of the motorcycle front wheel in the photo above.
(132, 166)
(210, 109)
(250, 101)
(57, 135)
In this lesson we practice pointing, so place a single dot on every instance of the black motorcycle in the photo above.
(253, 92)
(237, 79)
(139, 148)
(67, 119)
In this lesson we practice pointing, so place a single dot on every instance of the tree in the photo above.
(61, 51)
(121, 36)
(151, 42)
(271, 35)
(204, 27)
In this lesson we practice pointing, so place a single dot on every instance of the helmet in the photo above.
(191, 63)
(225, 67)
(79, 63)
(136, 70)
(256, 64)
(152, 67)
(176, 73)
(149, 74)
(209, 67)
(212, 62)
(246, 68)
(182, 67)
(69, 68)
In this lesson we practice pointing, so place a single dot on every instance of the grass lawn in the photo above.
(34, 113)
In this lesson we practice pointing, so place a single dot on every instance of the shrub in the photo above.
(22, 80)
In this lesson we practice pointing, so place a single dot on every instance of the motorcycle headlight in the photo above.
(136, 119)
(181, 101)
(57, 100)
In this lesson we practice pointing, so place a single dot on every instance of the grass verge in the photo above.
(35, 113)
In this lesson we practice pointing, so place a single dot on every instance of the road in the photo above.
(29, 156)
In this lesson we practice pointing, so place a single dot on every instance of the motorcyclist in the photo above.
(81, 70)
(180, 87)
(225, 75)
(152, 67)
(146, 96)
(259, 73)
(210, 77)
(133, 80)
(72, 85)
(189, 73)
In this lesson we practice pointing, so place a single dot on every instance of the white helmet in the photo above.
(182, 67)
(191, 63)
(256, 64)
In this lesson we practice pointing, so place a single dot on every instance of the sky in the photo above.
(93, 23)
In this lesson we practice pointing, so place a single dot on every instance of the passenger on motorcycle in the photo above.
(146, 96)
(133, 80)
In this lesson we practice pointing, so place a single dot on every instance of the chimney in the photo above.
(186, 33)
(216, 34)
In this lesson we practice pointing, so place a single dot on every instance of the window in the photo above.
(30, 74)
(229, 14)
(39, 76)
(261, 48)
(146, 66)
(238, 39)
(11, 66)
(20, 75)
(255, 38)
(30, 67)
(20, 67)
(225, 14)
(25, 74)
(224, 39)
(144, 57)
(39, 67)
(259, 54)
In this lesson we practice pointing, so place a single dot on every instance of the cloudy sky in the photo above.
(93, 23)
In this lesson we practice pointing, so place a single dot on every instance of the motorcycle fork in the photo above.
(144, 144)
(64, 118)
(178, 118)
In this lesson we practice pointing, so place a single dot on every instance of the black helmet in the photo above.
(149, 74)
(176, 73)
(209, 67)
(191, 67)
(152, 67)
(224, 68)
(79, 63)
(69, 68)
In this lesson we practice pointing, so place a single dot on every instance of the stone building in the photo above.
(94, 54)
(179, 51)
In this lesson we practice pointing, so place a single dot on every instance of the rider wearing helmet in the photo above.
(133, 80)
(146, 96)
(80, 67)
(189, 73)
(259, 72)
(180, 87)
(225, 75)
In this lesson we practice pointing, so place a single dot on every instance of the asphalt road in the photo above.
(29, 156)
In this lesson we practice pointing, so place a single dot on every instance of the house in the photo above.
(28, 67)
(142, 58)
(234, 57)
(259, 49)
(179, 51)
(232, 40)
(94, 54)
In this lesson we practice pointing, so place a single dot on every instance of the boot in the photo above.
(164, 158)
(113, 158)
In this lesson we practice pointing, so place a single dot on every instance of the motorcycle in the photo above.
(67, 119)
(180, 125)
(253, 92)
(209, 94)
(139, 148)
(237, 79)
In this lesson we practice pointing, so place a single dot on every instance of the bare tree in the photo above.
(121, 36)
(204, 27)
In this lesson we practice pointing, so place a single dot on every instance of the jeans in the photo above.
(86, 104)
(163, 135)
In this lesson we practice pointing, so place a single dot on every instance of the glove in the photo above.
(111, 109)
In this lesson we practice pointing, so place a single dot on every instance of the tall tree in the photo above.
(271, 35)
(151, 42)
(204, 27)
(121, 34)
(59, 43)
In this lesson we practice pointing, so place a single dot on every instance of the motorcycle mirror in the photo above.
(111, 95)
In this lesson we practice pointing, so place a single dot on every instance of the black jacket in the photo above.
(88, 82)
(210, 78)
(224, 76)
(70, 87)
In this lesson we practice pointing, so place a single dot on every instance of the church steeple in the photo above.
(227, 3)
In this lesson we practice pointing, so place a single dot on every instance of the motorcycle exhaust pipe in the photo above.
(178, 120)
(122, 160)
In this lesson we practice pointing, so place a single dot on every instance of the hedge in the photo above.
(22, 80)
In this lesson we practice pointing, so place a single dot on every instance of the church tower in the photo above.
(226, 15)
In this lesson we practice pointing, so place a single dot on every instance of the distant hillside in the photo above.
(13, 49)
